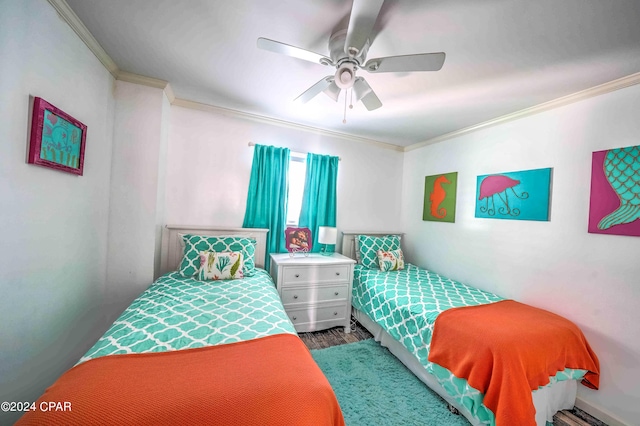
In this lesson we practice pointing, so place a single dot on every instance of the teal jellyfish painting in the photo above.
(615, 192)
(522, 195)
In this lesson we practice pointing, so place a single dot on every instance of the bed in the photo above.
(427, 320)
(194, 351)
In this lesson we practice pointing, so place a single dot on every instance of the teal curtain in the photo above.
(319, 199)
(267, 198)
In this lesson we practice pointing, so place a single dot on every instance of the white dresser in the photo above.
(315, 290)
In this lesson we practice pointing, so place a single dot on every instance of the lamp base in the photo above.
(326, 250)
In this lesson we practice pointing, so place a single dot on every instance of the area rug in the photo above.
(374, 388)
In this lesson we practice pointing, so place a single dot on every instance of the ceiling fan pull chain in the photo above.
(351, 99)
(344, 120)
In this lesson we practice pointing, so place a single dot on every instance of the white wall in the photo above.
(594, 280)
(209, 165)
(136, 198)
(54, 224)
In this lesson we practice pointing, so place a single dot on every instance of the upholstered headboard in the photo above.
(349, 240)
(173, 245)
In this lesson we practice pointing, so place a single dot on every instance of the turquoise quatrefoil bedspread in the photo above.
(406, 304)
(181, 313)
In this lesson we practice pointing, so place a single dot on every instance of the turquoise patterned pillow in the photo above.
(368, 247)
(194, 244)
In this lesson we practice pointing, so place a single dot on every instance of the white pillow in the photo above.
(220, 265)
(390, 260)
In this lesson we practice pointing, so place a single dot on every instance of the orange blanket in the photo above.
(267, 381)
(507, 349)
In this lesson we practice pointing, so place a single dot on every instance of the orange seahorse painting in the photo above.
(437, 197)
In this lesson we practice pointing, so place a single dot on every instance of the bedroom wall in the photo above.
(591, 279)
(54, 224)
(209, 165)
(137, 191)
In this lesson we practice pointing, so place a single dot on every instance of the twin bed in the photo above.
(501, 347)
(190, 351)
(194, 351)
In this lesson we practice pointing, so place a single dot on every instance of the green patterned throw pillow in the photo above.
(368, 247)
(220, 265)
(391, 260)
(194, 244)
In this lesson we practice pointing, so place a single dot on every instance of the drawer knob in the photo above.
(295, 296)
(297, 275)
(336, 293)
(295, 317)
(337, 273)
(335, 313)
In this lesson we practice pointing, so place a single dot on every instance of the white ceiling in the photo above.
(502, 56)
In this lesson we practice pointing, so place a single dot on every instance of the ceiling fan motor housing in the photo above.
(337, 49)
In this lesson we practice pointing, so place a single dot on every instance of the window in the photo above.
(297, 173)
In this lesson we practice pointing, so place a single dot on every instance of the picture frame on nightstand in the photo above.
(298, 240)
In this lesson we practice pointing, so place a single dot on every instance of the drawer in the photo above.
(315, 314)
(315, 274)
(314, 294)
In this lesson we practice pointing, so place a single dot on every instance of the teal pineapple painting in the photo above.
(60, 141)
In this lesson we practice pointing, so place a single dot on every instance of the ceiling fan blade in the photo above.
(364, 14)
(365, 93)
(406, 63)
(312, 91)
(333, 91)
(296, 52)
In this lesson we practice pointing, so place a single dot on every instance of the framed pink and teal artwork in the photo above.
(522, 195)
(615, 192)
(298, 240)
(57, 139)
(440, 197)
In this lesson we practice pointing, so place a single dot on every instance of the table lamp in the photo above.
(327, 236)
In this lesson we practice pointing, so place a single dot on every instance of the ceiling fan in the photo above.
(348, 52)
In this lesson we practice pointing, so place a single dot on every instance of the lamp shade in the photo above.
(327, 235)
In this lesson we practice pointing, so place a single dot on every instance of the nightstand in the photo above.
(315, 290)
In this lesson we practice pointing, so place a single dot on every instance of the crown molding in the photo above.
(142, 80)
(169, 92)
(70, 17)
(130, 77)
(601, 89)
(281, 123)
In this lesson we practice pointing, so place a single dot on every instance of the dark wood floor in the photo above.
(336, 336)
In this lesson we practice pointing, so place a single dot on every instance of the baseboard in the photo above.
(599, 413)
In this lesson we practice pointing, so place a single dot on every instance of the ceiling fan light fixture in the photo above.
(332, 91)
(360, 90)
(345, 75)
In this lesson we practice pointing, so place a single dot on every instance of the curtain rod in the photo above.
(293, 152)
